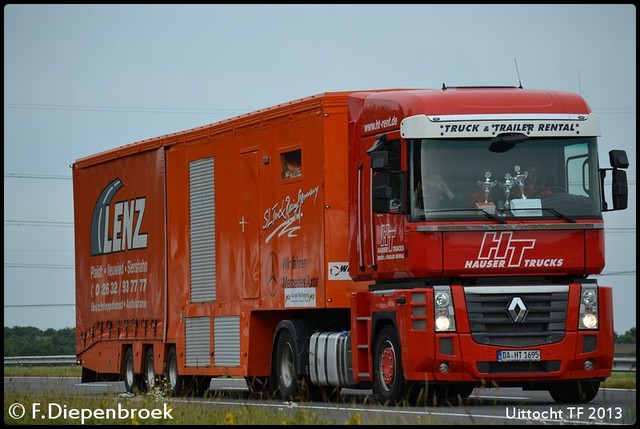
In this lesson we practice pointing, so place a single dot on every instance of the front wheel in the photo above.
(389, 384)
(579, 392)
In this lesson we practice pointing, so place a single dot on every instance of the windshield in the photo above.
(521, 178)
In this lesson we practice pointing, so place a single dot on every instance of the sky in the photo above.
(81, 79)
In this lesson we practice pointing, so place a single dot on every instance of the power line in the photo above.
(37, 176)
(37, 223)
(197, 110)
(60, 177)
(617, 273)
(13, 222)
(614, 110)
(37, 305)
(46, 266)
(124, 109)
(620, 230)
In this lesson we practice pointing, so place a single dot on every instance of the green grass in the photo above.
(43, 371)
(147, 409)
(620, 380)
(111, 409)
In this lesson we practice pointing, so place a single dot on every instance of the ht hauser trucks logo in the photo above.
(501, 250)
(118, 230)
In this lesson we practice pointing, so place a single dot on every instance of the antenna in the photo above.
(579, 87)
(518, 72)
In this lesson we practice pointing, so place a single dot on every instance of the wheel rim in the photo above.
(387, 365)
(173, 373)
(286, 366)
(130, 376)
(151, 375)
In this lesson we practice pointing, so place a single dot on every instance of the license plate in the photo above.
(518, 355)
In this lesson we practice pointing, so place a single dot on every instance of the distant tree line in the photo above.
(30, 341)
(628, 337)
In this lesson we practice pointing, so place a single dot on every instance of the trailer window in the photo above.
(291, 164)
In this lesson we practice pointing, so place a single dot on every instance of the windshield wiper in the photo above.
(560, 215)
(552, 211)
(476, 210)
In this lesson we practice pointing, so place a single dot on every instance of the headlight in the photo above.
(588, 297)
(442, 323)
(442, 299)
(589, 321)
(444, 315)
(588, 318)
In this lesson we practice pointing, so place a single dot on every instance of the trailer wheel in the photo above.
(580, 392)
(149, 373)
(389, 385)
(175, 382)
(132, 381)
(288, 382)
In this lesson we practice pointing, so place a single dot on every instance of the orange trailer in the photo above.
(297, 247)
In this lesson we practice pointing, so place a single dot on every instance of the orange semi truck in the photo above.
(386, 239)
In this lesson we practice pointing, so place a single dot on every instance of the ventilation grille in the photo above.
(202, 229)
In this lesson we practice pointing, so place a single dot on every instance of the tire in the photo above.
(132, 381)
(175, 381)
(579, 392)
(288, 383)
(149, 374)
(389, 384)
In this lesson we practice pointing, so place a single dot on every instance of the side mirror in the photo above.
(379, 160)
(618, 159)
(386, 193)
(619, 186)
(619, 189)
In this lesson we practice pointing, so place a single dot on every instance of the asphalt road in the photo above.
(504, 406)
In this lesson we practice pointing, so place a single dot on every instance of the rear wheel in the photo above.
(132, 381)
(149, 373)
(175, 382)
(287, 378)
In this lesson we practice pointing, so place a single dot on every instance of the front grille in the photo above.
(491, 323)
(518, 367)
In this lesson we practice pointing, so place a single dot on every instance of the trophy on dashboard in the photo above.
(487, 184)
(519, 179)
(507, 185)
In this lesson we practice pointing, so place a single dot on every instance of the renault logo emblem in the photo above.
(517, 310)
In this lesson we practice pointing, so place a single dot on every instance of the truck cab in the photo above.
(477, 213)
